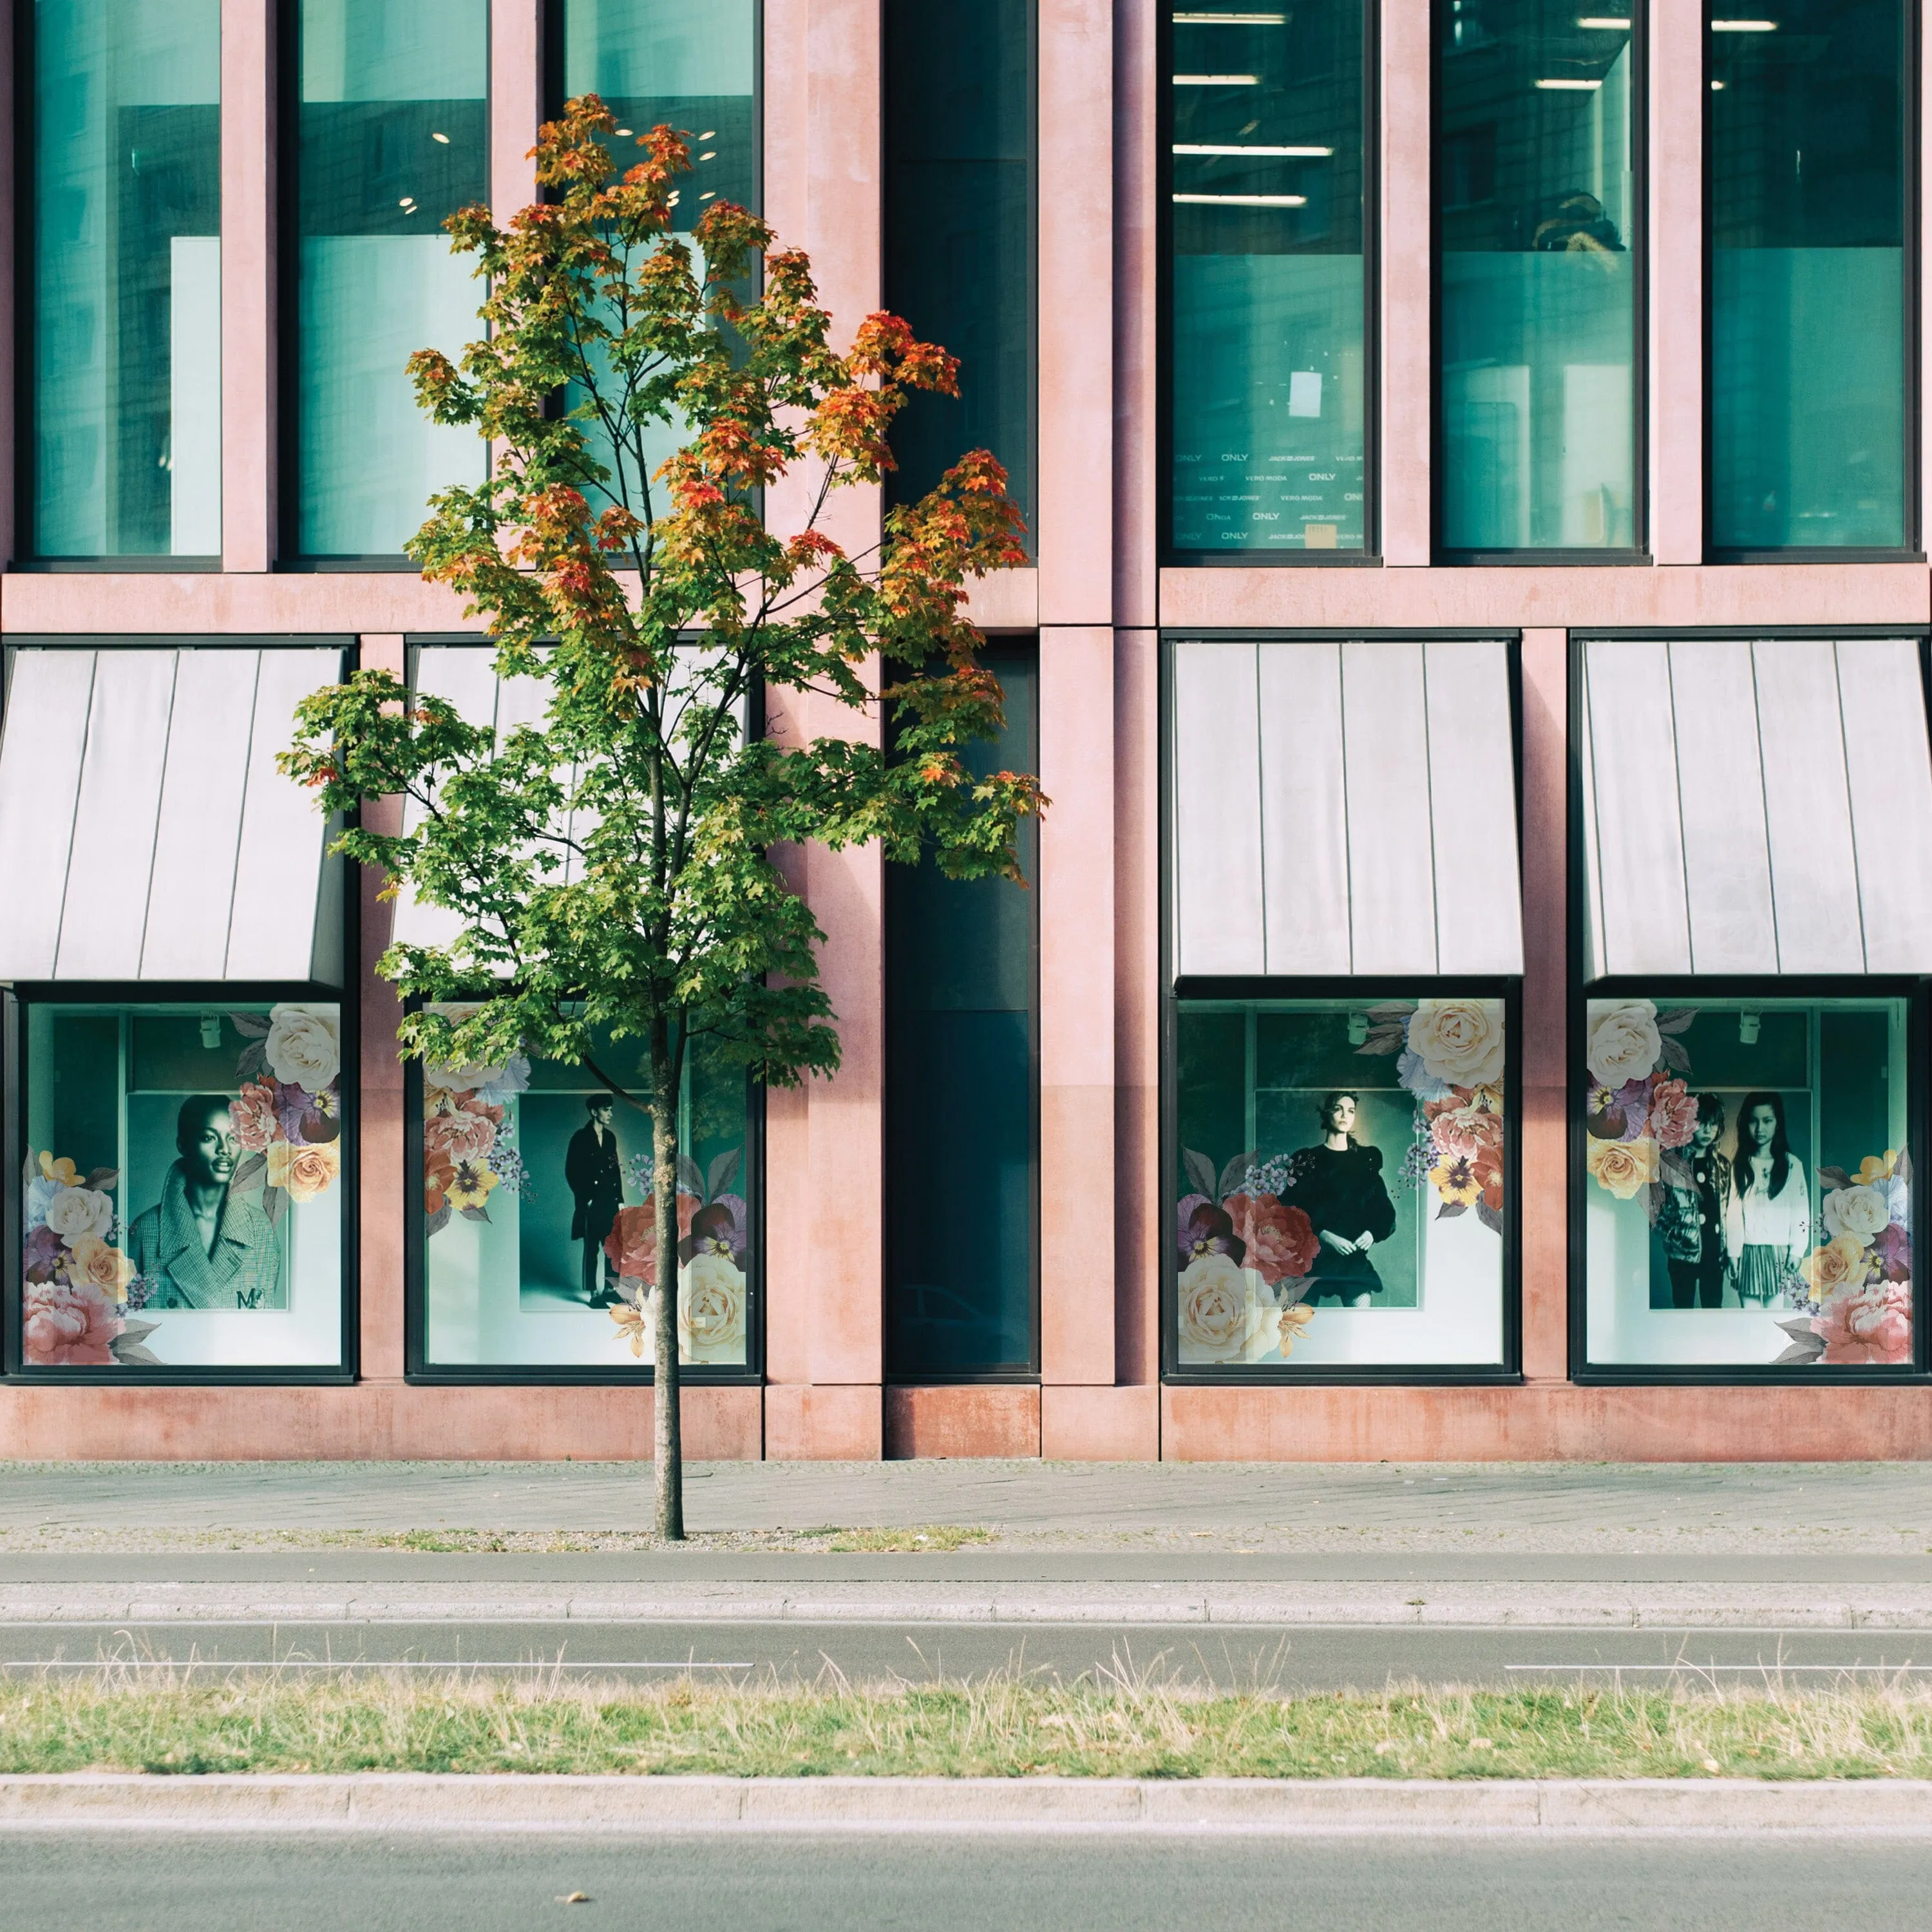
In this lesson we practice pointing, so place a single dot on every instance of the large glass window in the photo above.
(959, 228)
(1267, 372)
(182, 1203)
(691, 65)
(1534, 233)
(1341, 1182)
(1747, 1182)
(125, 213)
(962, 1092)
(1805, 157)
(391, 135)
(539, 1240)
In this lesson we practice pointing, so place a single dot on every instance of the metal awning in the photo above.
(1344, 809)
(1756, 807)
(145, 831)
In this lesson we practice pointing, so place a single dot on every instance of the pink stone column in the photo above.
(824, 1153)
(381, 1177)
(12, 273)
(1406, 401)
(516, 104)
(1545, 935)
(1677, 92)
(250, 409)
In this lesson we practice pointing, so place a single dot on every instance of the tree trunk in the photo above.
(668, 1448)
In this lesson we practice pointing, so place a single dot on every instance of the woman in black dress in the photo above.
(1338, 1186)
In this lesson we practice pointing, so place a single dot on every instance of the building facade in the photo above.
(1471, 1001)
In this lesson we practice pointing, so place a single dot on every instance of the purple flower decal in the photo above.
(44, 1249)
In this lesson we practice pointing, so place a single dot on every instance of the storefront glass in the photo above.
(1747, 1182)
(1534, 215)
(691, 65)
(1267, 368)
(538, 1235)
(182, 1200)
(125, 209)
(391, 137)
(1341, 1184)
(959, 229)
(1805, 153)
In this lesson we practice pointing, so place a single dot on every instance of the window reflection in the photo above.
(1804, 165)
(1267, 371)
(1534, 223)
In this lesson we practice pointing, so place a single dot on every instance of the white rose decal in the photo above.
(711, 1309)
(1624, 1042)
(303, 1048)
(77, 1211)
(1459, 1042)
(1214, 1310)
(1862, 1213)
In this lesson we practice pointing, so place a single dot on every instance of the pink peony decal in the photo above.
(1866, 1325)
(1280, 1241)
(1673, 1114)
(69, 1326)
(255, 1118)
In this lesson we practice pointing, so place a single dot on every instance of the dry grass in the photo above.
(1124, 1724)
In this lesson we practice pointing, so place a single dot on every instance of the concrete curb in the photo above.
(1419, 1604)
(394, 1802)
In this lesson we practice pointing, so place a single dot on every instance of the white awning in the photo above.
(1757, 807)
(145, 831)
(1344, 809)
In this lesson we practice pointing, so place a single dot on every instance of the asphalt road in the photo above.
(1364, 1657)
(854, 1882)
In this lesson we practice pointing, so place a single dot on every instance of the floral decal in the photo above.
(1857, 1284)
(469, 1142)
(713, 1294)
(288, 1115)
(80, 1290)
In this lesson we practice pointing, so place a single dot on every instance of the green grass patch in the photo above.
(918, 1539)
(1008, 1727)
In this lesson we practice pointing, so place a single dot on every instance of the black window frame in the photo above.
(1913, 550)
(13, 1151)
(1638, 552)
(1171, 555)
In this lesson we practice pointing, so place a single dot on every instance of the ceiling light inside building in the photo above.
(443, 138)
(1250, 200)
(1743, 26)
(1609, 23)
(1569, 86)
(1230, 19)
(1242, 148)
(1217, 80)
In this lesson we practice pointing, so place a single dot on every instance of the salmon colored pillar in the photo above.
(380, 1169)
(1406, 401)
(1545, 935)
(249, 403)
(824, 1347)
(516, 104)
(1677, 282)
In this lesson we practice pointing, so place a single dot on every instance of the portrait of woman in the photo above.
(1767, 1226)
(199, 1247)
(1338, 1184)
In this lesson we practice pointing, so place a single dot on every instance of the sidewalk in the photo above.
(1680, 1547)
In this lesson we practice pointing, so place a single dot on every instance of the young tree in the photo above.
(656, 606)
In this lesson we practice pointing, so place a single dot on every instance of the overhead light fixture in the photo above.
(1743, 26)
(711, 156)
(211, 1031)
(710, 134)
(1609, 23)
(1217, 80)
(1242, 147)
(1716, 87)
(1748, 1025)
(1358, 1029)
(623, 131)
(409, 201)
(1230, 19)
(1568, 86)
(1250, 200)
(443, 138)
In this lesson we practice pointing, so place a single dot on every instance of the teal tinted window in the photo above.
(960, 1107)
(390, 136)
(1804, 168)
(1746, 1182)
(539, 1234)
(959, 228)
(1534, 234)
(1340, 1186)
(126, 306)
(1266, 372)
(691, 65)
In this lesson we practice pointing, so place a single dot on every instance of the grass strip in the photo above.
(1006, 1727)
